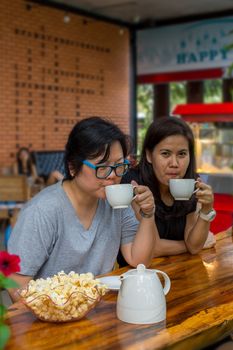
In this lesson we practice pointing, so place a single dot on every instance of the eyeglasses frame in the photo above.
(113, 167)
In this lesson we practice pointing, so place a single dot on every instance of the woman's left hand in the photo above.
(143, 199)
(204, 195)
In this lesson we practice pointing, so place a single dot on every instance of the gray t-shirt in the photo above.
(49, 237)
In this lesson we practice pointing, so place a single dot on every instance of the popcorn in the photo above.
(63, 297)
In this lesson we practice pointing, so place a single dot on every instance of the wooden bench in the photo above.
(14, 192)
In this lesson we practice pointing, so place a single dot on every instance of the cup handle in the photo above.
(134, 194)
(197, 188)
(167, 281)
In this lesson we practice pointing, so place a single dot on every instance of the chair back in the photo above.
(13, 188)
(48, 161)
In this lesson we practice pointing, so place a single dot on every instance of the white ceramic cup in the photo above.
(182, 189)
(119, 196)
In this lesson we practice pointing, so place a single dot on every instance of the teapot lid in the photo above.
(140, 270)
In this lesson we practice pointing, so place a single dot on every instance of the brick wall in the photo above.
(54, 74)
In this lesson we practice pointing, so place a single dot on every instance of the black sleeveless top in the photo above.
(170, 220)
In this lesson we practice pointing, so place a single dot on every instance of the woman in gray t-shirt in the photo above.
(70, 225)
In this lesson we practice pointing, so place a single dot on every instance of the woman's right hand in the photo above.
(143, 200)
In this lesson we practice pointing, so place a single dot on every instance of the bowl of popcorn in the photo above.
(63, 297)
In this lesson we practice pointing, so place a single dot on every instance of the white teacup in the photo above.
(182, 189)
(119, 196)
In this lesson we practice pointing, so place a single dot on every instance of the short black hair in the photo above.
(90, 138)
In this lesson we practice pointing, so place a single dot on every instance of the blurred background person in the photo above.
(25, 165)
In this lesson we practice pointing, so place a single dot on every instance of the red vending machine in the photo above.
(212, 126)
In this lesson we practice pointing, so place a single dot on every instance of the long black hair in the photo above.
(160, 129)
(90, 138)
(29, 163)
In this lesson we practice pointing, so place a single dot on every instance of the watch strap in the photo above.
(208, 216)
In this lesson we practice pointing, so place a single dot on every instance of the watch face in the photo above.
(212, 215)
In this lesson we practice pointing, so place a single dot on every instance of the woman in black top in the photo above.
(168, 152)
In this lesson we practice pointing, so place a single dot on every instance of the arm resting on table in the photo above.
(169, 247)
(140, 251)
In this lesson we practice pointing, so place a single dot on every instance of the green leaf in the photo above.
(2, 277)
(4, 335)
(3, 310)
(9, 283)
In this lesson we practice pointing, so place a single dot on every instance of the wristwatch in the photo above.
(209, 216)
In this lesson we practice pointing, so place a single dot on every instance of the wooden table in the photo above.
(199, 312)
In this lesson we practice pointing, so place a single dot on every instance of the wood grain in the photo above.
(199, 312)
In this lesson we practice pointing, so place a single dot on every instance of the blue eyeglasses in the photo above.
(103, 171)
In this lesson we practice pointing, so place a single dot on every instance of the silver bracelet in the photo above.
(147, 216)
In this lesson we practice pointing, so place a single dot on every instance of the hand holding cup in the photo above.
(123, 195)
(183, 189)
(205, 196)
(143, 201)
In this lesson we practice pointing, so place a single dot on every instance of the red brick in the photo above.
(41, 54)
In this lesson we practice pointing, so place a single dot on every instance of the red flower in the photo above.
(9, 263)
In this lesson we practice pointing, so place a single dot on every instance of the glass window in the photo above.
(213, 91)
(177, 94)
(144, 111)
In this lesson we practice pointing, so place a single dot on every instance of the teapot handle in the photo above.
(167, 281)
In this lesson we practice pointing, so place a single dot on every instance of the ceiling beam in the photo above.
(81, 12)
(150, 23)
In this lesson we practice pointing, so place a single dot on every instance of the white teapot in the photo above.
(141, 298)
